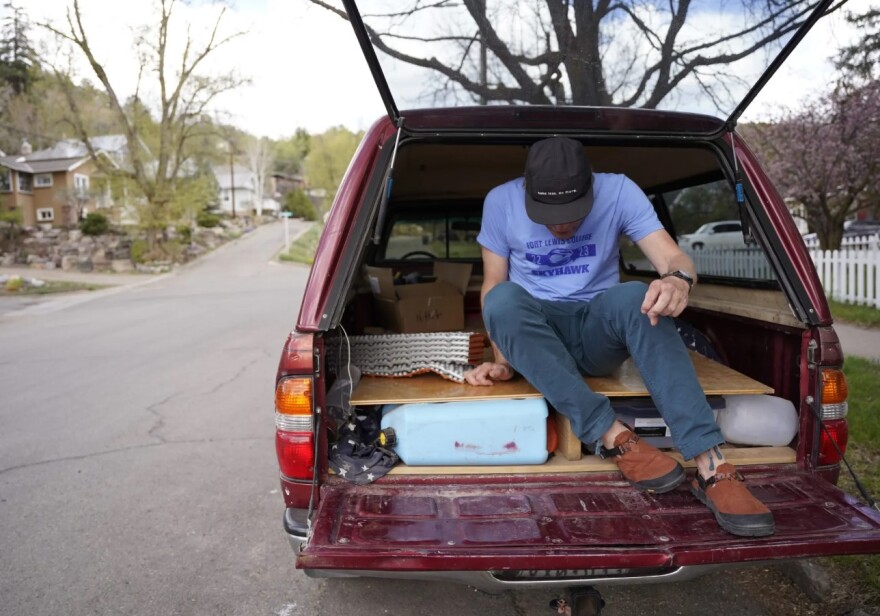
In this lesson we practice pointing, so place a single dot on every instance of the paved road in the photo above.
(138, 472)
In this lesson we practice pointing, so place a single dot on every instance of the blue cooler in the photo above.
(476, 432)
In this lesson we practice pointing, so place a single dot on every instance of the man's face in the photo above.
(565, 230)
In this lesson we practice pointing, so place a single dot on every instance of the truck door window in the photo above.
(706, 220)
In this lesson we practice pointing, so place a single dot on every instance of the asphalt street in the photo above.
(138, 471)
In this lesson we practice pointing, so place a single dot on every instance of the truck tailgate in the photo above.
(567, 522)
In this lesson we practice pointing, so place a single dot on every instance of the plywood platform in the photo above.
(715, 378)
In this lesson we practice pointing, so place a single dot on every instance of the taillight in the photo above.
(293, 404)
(296, 453)
(833, 409)
(838, 431)
(834, 392)
(294, 434)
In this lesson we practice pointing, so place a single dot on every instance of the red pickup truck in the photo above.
(412, 196)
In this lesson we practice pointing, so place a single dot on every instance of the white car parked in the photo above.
(720, 234)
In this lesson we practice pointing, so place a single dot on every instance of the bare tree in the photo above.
(630, 53)
(184, 96)
(259, 153)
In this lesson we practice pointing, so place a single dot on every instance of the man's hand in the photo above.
(666, 297)
(488, 372)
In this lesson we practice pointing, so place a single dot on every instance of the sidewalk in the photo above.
(859, 341)
(101, 278)
(17, 305)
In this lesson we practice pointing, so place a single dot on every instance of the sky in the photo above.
(307, 70)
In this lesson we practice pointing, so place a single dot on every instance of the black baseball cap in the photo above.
(559, 181)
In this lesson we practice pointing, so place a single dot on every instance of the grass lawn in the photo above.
(302, 250)
(51, 286)
(863, 453)
(863, 316)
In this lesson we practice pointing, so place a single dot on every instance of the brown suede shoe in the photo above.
(736, 509)
(643, 465)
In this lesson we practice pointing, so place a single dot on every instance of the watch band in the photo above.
(683, 275)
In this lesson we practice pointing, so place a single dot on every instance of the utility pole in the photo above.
(229, 141)
(232, 176)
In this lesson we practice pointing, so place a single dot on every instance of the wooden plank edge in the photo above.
(738, 456)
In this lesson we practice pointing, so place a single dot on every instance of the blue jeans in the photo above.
(554, 344)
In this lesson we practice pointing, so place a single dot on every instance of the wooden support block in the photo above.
(569, 445)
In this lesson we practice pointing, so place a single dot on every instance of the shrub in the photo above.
(207, 219)
(185, 233)
(138, 250)
(297, 203)
(94, 223)
(10, 228)
(14, 284)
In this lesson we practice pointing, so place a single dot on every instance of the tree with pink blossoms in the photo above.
(824, 155)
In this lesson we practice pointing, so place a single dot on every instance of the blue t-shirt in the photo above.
(580, 267)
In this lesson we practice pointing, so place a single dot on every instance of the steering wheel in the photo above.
(418, 253)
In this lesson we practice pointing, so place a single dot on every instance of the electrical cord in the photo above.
(318, 416)
(870, 500)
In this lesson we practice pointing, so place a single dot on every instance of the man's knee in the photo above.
(628, 294)
(502, 303)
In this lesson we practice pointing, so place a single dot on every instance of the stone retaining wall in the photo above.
(69, 250)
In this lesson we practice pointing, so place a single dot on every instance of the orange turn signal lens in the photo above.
(293, 396)
(834, 389)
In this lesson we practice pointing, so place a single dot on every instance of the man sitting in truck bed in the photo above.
(555, 310)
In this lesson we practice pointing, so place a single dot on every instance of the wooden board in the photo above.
(715, 378)
(738, 456)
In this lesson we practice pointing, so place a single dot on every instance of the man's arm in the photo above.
(494, 272)
(667, 296)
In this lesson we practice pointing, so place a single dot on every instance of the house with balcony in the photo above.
(58, 185)
(49, 187)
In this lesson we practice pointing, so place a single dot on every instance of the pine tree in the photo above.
(18, 60)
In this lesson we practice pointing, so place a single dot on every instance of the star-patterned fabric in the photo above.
(355, 456)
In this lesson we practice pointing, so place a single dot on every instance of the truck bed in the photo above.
(715, 378)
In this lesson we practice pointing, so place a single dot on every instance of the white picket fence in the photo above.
(852, 273)
(734, 262)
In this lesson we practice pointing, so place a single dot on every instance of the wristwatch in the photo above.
(683, 275)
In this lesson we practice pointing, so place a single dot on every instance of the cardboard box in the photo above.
(422, 307)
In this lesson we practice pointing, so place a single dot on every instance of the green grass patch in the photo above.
(863, 379)
(865, 316)
(302, 250)
(51, 286)
(863, 454)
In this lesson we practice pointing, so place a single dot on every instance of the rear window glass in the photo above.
(706, 221)
(433, 236)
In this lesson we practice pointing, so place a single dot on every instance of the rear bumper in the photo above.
(296, 526)
(493, 582)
